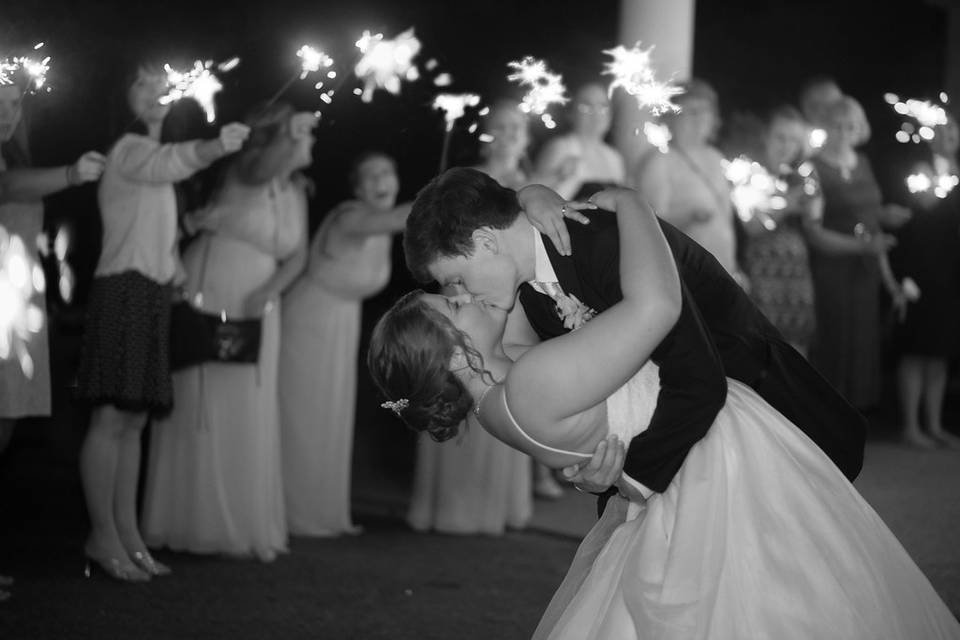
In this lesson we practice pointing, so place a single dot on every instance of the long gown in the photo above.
(846, 348)
(469, 485)
(214, 482)
(758, 536)
(318, 378)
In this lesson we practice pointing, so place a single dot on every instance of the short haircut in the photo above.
(446, 213)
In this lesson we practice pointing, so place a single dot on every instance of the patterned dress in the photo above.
(778, 268)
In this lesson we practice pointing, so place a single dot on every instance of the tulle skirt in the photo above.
(758, 536)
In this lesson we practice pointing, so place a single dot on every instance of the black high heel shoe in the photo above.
(114, 569)
(145, 561)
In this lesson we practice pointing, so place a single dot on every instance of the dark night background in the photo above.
(757, 53)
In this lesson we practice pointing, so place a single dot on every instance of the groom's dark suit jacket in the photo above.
(720, 333)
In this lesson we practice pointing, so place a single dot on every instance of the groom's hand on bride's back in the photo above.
(603, 470)
(546, 209)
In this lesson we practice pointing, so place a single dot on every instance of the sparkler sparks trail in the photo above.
(925, 113)
(34, 70)
(658, 135)
(198, 83)
(454, 105)
(20, 279)
(312, 60)
(384, 64)
(632, 71)
(545, 88)
(755, 192)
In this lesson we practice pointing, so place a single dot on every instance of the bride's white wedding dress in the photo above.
(758, 536)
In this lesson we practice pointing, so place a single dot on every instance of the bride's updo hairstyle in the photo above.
(409, 360)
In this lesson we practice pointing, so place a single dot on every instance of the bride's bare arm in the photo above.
(567, 375)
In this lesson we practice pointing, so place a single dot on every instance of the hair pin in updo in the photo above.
(396, 406)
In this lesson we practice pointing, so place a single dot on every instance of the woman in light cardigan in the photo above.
(124, 368)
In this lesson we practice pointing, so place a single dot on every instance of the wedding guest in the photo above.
(504, 159)
(816, 96)
(581, 159)
(25, 388)
(213, 483)
(349, 260)
(686, 186)
(124, 367)
(776, 260)
(848, 258)
(22, 188)
(928, 252)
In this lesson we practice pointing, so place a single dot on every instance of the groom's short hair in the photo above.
(446, 213)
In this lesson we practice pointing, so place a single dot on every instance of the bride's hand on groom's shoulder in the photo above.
(546, 209)
(611, 197)
(603, 470)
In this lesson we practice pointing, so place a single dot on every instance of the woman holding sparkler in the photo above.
(25, 391)
(775, 257)
(686, 186)
(928, 252)
(583, 162)
(349, 261)
(214, 481)
(21, 213)
(124, 366)
(848, 259)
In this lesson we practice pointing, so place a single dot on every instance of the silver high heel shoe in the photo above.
(145, 561)
(113, 568)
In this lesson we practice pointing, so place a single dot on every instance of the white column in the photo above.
(667, 24)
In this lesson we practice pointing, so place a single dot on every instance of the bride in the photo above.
(758, 536)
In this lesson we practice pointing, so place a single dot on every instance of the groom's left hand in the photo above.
(603, 470)
(546, 209)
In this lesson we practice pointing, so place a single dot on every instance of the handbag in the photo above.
(198, 336)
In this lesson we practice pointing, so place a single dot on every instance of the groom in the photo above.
(465, 231)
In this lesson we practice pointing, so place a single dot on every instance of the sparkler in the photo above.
(632, 71)
(384, 64)
(198, 83)
(312, 60)
(20, 279)
(544, 87)
(658, 135)
(926, 114)
(453, 107)
(755, 192)
(34, 70)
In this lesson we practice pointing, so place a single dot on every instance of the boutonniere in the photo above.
(572, 312)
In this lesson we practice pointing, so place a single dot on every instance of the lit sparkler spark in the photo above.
(311, 60)
(34, 70)
(816, 138)
(20, 279)
(545, 88)
(923, 111)
(198, 83)
(632, 71)
(658, 135)
(941, 183)
(384, 64)
(454, 105)
(755, 192)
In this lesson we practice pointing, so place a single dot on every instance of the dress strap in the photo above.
(539, 445)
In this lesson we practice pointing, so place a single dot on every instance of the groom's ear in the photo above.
(485, 238)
